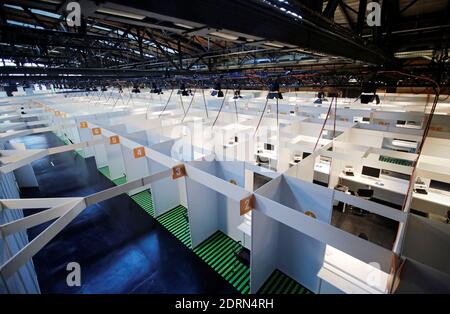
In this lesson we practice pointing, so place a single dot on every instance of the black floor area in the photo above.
(120, 248)
(378, 229)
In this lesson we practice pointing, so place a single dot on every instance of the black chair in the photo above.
(365, 194)
(364, 236)
(262, 160)
(242, 255)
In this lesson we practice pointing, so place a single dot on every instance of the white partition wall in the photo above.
(101, 158)
(136, 165)
(86, 135)
(298, 255)
(115, 158)
(209, 210)
(166, 193)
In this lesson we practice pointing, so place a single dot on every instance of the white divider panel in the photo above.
(101, 158)
(264, 253)
(85, 136)
(325, 233)
(203, 211)
(166, 193)
(135, 167)
(115, 160)
(229, 213)
(301, 256)
(427, 241)
(25, 176)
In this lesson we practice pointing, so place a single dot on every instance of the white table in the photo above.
(344, 273)
(385, 188)
(435, 202)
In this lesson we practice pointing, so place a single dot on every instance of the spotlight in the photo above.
(368, 94)
(274, 91)
(135, 89)
(217, 90)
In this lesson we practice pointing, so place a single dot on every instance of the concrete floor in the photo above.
(379, 230)
(120, 248)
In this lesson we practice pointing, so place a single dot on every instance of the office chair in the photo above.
(242, 255)
(364, 236)
(364, 194)
(262, 160)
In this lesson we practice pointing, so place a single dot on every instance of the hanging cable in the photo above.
(324, 123)
(181, 101)
(204, 101)
(167, 103)
(220, 109)
(437, 91)
(190, 104)
(261, 117)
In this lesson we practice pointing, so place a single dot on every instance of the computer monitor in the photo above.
(305, 155)
(371, 172)
(439, 185)
(268, 146)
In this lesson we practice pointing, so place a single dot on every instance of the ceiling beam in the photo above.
(241, 16)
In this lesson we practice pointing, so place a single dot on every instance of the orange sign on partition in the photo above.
(139, 152)
(178, 171)
(247, 204)
(83, 125)
(114, 139)
(96, 131)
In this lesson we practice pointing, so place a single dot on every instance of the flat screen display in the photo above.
(268, 146)
(305, 155)
(371, 172)
(439, 185)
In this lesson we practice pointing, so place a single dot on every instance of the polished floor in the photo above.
(120, 248)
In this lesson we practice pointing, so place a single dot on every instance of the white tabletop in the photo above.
(246, 228)
(433, 196)
(351, 275)
(390, 184)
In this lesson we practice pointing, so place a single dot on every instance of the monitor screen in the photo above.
(268, 146)
(305, 155)
(371, 172)
(439, 185)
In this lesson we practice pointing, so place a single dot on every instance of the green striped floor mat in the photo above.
(280, 283)
(144, 200)
(218, 252)
(176, 222)
(105, 171)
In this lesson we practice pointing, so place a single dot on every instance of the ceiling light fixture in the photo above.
(274, 45)
(224, 35)
(183, 25)
(121, 13)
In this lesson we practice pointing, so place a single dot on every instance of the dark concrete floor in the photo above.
(120, 248)
(379, 230)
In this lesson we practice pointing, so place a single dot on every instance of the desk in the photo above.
(269, 154)
(392, 190)
(228, 145)
(344, 273)
(246, 228)
(322, 172)
(435, 202)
